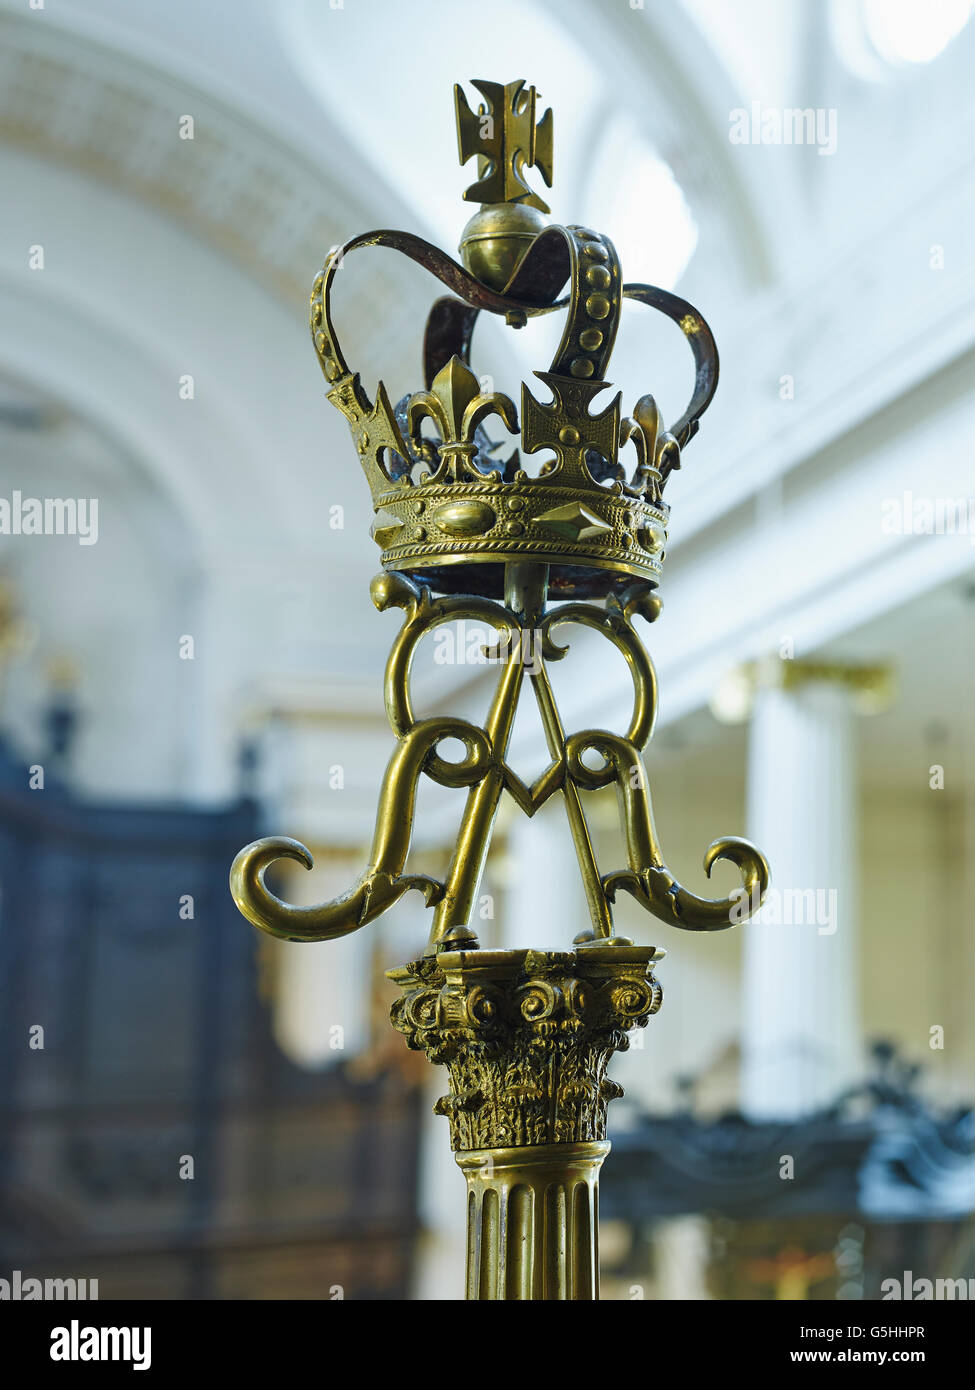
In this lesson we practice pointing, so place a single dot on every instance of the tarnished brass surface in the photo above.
(533, 1221)
(597, 523)
(506, 137)
(526, 1036)
(467, 532)
(527, 645)
(495, 240)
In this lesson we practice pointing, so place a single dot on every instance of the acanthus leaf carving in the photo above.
(526, 1037)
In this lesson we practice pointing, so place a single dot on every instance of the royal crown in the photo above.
(448, 509)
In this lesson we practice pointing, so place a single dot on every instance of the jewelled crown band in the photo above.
(448, 509)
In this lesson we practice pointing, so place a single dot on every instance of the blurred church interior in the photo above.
(798, 1119)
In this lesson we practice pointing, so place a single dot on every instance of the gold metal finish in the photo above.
(870, 685)
(16, 632)
(495, 240)
(526, 1036)
(451, 501)
(533, 1221)
(467, 532)
(486, 774)
(507, 140)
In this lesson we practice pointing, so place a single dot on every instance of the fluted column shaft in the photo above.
(532, 1221)
(526, 1037)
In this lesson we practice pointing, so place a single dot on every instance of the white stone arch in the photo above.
(231, 461)
(665, 73)
(151, 273)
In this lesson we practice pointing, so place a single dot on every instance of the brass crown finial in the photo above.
(524, 516)
(478, 527)
(507, 139)
(455, 500)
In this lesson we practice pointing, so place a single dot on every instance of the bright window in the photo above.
(906, 31)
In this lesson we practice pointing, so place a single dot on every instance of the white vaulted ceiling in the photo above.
(314, 121)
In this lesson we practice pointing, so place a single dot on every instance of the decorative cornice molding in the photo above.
(245, 191)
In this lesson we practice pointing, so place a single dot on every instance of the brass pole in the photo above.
(533, 1221)
(526, 1036)
(525, 586)
(599, 911)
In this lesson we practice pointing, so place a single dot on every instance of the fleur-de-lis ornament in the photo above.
(456, 405)
(658, 452)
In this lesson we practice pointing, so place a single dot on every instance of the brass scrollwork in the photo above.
(526, 644)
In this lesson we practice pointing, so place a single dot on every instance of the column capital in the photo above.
(526, 1037)
(869, 684)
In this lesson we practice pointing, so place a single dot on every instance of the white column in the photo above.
(321, 1003)
(801, 1034)
(441, 1256)
(681, 1258)
(320, 1012)
(544, 900)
